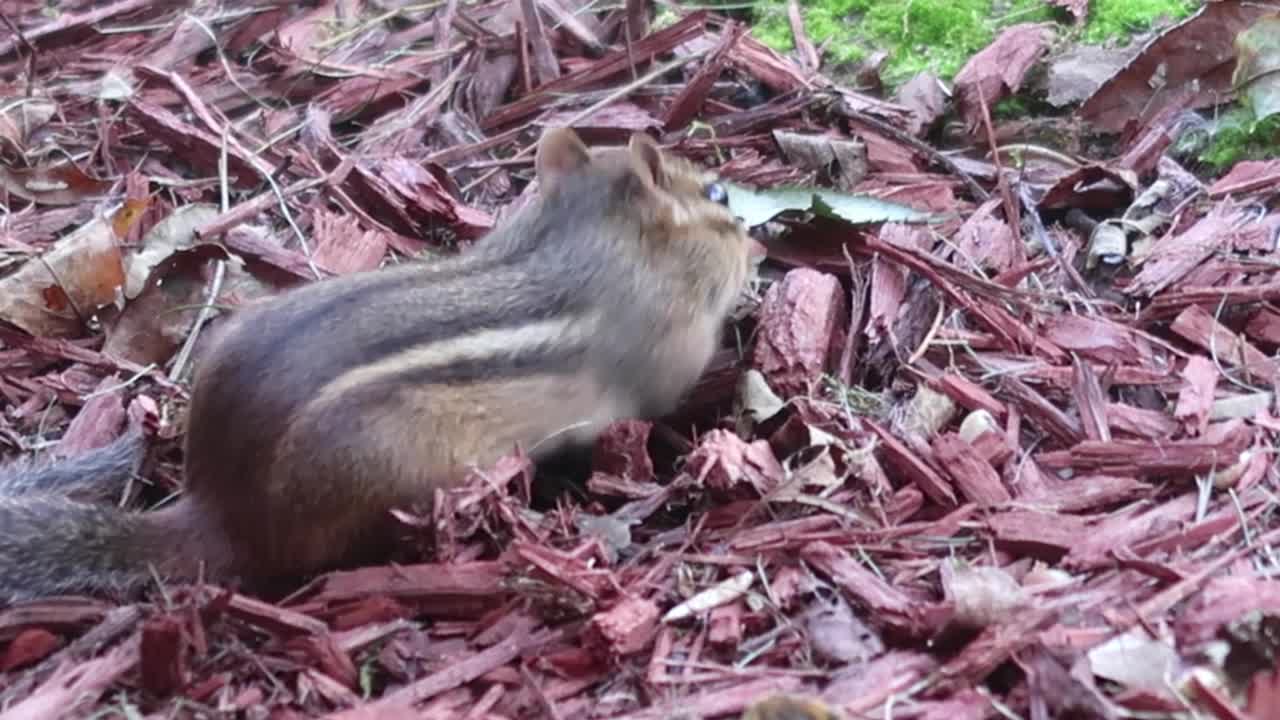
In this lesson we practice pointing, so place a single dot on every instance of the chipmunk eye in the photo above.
(716, 193)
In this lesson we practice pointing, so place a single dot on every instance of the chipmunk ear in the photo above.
(647, 158)
(560, 153)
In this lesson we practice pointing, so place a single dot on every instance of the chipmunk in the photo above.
(321, 409)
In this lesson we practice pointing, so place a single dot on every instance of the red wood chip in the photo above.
(622, 450)
(28, 647)
(165, 654)
(1195, 401)
(628, 626)
(973, 476)
(726, 627)
(724, 462)
(801, 325)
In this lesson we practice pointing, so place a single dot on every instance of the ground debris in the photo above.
(962, 468)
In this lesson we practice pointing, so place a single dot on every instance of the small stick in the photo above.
(885, 128)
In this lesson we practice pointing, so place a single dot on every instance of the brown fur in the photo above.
(318, 411)
(790, 707)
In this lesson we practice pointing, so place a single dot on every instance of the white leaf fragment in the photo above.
(712, 597)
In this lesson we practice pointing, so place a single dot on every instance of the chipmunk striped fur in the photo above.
(318, 411)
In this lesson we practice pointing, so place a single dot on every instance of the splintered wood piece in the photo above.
(802, 321)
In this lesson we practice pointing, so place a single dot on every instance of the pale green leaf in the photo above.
(760, 206)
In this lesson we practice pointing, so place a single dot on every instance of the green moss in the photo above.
(1110, 19)
(1012, 107)
(941, 35)
(823, 20)
(1239, 137)
(771, 27)
(936, 35)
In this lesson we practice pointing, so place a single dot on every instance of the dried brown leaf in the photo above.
(52, 295)
(1189, 64)
(59, 184)
(998, 70)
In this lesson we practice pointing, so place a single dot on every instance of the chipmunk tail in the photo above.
(97, 473)
(60, 534)
(53, 545)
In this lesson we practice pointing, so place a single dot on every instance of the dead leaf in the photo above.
(60, 184)
(843, 159)
(714, 596)
(614, 535)
(18, 120)
(128, 216)
(997, 71)
(838, 635)
(175, 232)
(724, 462)
(156, 322)
(1192, 62)
(1135, 660)
(1257, 72)
(1091, 188)
(1077, 73)
(925, 97)
(982, 595)
(52, 295)
(757, 398)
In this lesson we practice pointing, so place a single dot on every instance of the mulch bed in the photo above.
(1019, 462)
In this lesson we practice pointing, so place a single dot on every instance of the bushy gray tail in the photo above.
(96, 474)
(53, 545)
(55, 539)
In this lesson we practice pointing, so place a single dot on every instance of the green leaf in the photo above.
(760, 206)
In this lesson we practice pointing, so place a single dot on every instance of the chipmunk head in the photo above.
(681, 209)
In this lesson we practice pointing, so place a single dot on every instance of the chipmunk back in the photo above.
(318, 411)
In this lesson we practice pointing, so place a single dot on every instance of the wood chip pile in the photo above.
(1018, 462)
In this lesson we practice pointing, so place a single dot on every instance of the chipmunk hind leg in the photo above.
(324, 508)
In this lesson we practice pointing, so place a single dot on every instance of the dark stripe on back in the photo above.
(545, 359)
(509, 307)
(540, 267)
(552, 252)
(560, 259)
(365, 293)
